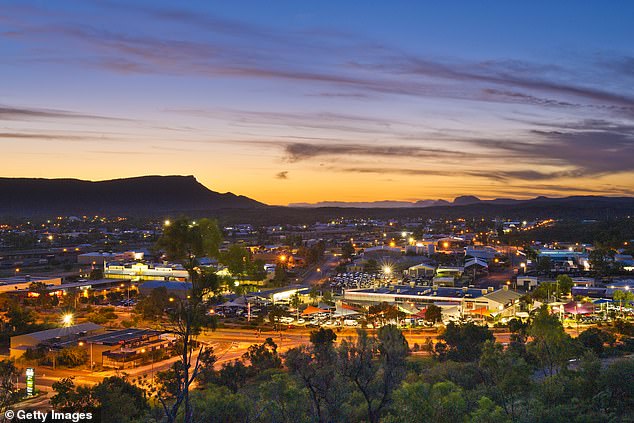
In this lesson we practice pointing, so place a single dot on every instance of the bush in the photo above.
(72, 356)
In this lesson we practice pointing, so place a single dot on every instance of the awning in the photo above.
(482, 311)
(313, 310)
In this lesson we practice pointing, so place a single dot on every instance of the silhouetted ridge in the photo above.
(146, 194)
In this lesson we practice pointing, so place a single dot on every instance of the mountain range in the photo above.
(141, 195)
(184, 195)
(388, 204)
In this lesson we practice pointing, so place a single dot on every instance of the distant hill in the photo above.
(146, 195)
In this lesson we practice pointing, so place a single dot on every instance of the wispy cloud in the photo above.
(26, 113)
(282, 175)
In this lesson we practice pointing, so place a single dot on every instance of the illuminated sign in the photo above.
(30, 381)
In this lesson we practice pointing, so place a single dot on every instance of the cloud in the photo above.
(349, 64)
(282, 175)
(24, 113)
(301, 151)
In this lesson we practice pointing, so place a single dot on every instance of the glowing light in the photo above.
(387, 270)
(403, 234)
(67, 319)
(167, 222)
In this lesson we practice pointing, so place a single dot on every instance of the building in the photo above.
(482, 302)
(17, 283)
(125, 348)
(482, 252)
(174, 289)
(145, 271)
(502, 302)
(527, 283)
(52, 338)
(421, 270)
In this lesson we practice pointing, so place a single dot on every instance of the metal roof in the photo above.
(121, 336)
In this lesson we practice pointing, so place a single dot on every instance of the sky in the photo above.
(291, 101)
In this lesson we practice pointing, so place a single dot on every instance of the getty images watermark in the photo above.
(46, 416)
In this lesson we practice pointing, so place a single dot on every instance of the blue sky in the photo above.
(311, 101)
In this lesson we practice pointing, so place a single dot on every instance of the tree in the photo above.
(622, 297)
(316, 368)
(233, 375)
(564, 284)
(463, 342)
(119, 400)
(507, 377)
(8, 389)
(488, 412)
(68, 398)
(594, 339)
(347, 250)
(375, 366)
(433, 313)
(442, 402)
(72, 356)
(599, 261)
(21, 319)
(263, 356)
(217, 404)
(154, 304)
(185, 241)
(236, 259)
(544, 264)
(113, 399)
(551, 346)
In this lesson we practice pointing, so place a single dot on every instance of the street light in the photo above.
(67, 319)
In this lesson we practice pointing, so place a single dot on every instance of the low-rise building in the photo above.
(125, 348)
(52, 338)
(145, 271)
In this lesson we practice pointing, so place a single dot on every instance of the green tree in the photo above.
(551, 346)
(488, 412)
(185, 241)
(120, 401)
(622, 297)
(564, 284)
(433, 313)
(594, 339)
(68, 398)
(463, 342)
(507, 377)
(153, 306)
(72, 356)
(442, 402)
(316, 368)
(233, 375)
(8, 389)
(375, 367)
(263, 356)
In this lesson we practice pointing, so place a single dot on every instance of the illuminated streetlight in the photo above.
(387, 270)
(167, 222)
(67, 319)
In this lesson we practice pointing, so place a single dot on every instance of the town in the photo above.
(93, 300)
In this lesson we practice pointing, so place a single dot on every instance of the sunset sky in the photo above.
(297, 101)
